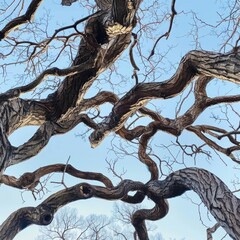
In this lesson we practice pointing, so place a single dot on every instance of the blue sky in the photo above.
(183, 218)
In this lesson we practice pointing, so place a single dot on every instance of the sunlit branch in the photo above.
(193, 64)
(16, 22)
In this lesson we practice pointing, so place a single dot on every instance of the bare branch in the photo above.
(167, 34)
(212, 191)
(16, 22)
(30, 180)
(212, 230)
(194, 63)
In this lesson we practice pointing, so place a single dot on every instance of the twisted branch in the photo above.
(29, 180)
(195, 63)
(44, 213)
(223, 205)
(16, 22)
(158, 212)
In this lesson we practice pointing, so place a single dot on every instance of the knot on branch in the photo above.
(97, 136)
(46, 218)
(45, 215)
(28, 180)
(85, 191)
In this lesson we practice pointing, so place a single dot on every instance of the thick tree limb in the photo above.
(106, 35)
(223, 205)
(176, 126)
(29, 180)
(90, 61)
(28, 114)
(61, 110)
(158, 212)
(195, 63)
(44, 133)
(43, 213)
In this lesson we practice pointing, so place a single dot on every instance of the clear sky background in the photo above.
(183, 221)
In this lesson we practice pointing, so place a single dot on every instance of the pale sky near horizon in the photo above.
(183, 221)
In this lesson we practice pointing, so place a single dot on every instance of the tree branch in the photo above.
(223, 205)
(16, 22)
(208, 64)
(44, 213)
(29, 180)
(158, 212)
(215, 195)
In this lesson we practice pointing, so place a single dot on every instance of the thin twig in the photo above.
(135, 67)
(167, 34)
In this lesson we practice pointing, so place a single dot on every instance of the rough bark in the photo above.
(44, 213)
(96, 53)
(219, 200)
(216, 196)
(195, 63)
(106, 35)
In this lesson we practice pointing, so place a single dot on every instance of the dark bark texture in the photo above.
(107, 34)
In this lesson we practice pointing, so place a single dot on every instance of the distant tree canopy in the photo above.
(68, 225)
(39, 52)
